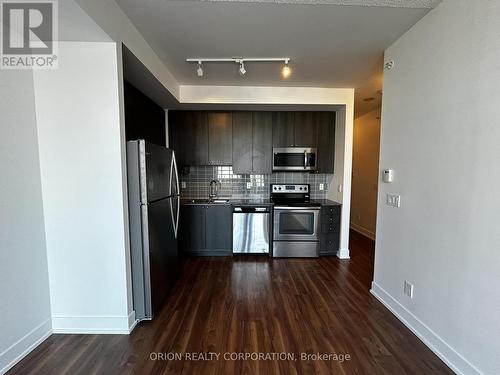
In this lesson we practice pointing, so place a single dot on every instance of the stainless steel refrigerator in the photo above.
(153, 190)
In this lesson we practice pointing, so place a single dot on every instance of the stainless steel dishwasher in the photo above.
(251, 234)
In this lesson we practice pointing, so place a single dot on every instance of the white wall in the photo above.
(441, 134)
(78, 114)
(342, 99)
(24, 285)
(365, 175)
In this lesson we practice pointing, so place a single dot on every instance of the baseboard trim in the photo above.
(132, 321)
(343, 254)
(112, 325)
(441, 348)
(22, 347)
(363, 231)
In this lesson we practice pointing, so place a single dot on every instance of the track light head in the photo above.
(199, 70)
(242, 69)
(286, 71)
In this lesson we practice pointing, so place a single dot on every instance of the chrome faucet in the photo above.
(213, 190)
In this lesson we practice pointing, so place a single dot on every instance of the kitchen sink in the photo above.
(209, 201)
(200, 201)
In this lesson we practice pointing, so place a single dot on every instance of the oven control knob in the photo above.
(279, 188)
(300, 188)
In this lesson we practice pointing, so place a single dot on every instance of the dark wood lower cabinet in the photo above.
(329, 241)
(206, 230)
(219, 229)
(192, 228)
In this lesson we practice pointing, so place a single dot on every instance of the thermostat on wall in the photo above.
(388, 175)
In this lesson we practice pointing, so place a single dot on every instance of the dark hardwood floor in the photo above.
(254, 305)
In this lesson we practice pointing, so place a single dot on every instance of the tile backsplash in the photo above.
(195, 184)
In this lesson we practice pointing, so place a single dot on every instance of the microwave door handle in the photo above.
(305, 159)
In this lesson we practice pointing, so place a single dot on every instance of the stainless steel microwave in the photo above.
(294, 159)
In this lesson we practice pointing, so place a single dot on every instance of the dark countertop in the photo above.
(326, 202)
(252, 202)
(234, 202)
(201, 202)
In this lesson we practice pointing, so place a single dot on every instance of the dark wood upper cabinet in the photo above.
(188, 135)
(245, 140)
(242, 142)
(262, 142)
(220, 138)
(283, 129)
(305, 129)
(326, 141)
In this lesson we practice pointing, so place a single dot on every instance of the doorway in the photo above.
(365, 174)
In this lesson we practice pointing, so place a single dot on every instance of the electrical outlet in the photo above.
(394, 200)
(408, 289)
(321, 186)
(183, 184)
(249, 185)
(339, 188)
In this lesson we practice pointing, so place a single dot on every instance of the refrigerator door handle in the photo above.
(174, 168)
(178, 211)
(175, 218)
(148, 304)
(172, 163)
(173, 172)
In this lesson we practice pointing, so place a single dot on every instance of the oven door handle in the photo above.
(305, 159)
(297, 208)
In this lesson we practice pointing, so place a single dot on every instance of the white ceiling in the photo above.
(329, 45)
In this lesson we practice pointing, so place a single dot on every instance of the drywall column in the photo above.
(340, 189)
(441, 135)
(81, 162)
(24, 284)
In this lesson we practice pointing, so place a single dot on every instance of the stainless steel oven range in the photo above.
(296, 221)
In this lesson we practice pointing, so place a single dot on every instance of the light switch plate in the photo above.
(183, 184)
(321, 186)
(249, 185)
(408, 289)
(394, 200)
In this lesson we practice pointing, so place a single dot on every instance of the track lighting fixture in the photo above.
(242, 69)
(285, 71)
(199, 71)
